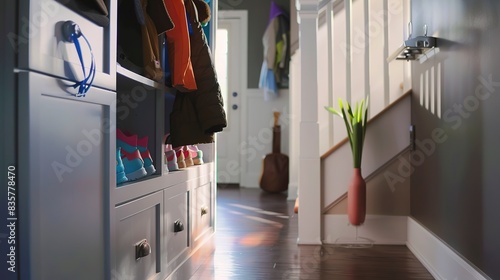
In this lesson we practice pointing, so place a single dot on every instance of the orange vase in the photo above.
(356, 199)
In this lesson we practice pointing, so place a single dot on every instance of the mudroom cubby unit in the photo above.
(76, 221)
(167, 224)
(140, 111)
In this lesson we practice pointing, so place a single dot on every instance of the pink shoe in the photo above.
(183, 158)
(142, 145)
(196, 154)
(131, 157)
(171, 158)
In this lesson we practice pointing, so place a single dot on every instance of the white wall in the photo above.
(257, 121)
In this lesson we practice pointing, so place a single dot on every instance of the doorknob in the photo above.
(235, 107)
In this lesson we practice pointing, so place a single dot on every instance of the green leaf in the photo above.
(349, 131)
(360, 112)
(349, 111)
(333, 111)
(355, 123)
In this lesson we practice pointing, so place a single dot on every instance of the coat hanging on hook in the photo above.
(276, 43)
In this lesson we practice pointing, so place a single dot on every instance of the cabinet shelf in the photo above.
(138, 181)
(132, 190)
(127, 78)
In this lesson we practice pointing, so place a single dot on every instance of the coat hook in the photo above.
(425, 30)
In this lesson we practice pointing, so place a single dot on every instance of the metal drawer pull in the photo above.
(178, 226)
(142, 249)
(204, 210)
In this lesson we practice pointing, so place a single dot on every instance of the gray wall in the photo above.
(258, 17)
(8, 124)
(455, 188)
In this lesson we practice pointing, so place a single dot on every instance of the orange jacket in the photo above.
(179, 49)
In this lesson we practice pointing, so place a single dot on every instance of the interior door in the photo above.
(228, 60)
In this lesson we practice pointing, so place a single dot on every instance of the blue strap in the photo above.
(84, 85)
(92, 66)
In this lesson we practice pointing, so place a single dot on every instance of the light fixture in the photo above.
(413, 48)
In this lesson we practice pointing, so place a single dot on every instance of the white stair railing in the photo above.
(354, 39)
(387, 137)
(349, 61)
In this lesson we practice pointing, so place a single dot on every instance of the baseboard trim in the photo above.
(292, 191)
(250, 179)
(377, 229)
(441, 260)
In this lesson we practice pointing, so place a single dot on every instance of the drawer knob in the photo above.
(71, 31)
(142, 249)
(178, 226)
(204, 210)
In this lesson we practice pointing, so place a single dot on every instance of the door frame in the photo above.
(242, 17)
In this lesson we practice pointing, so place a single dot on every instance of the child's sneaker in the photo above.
(142, 145)
(171, 158)
(120, 169)
(182, 161)
(196, 154)
(131, 157)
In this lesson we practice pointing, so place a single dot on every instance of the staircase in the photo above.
(386, 149)
(354, 39)
(387, 137)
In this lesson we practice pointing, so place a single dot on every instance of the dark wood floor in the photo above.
(256, 238)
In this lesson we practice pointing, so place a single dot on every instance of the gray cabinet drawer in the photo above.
(139, 221)
(42, 48)
(203, 210)
(64, 157)
(176, 211)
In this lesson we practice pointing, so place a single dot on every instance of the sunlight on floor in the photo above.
(260, 211)
(227, 265)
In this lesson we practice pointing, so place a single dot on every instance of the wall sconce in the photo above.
(413, 48)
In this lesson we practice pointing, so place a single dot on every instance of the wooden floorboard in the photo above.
(256, 238)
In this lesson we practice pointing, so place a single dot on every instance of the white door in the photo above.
(230, 63)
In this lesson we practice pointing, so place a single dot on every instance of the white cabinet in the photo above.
(65, 146)
(164, 218)
(75, 221)
(202, 210)
(177, 224)
(138, 238)
(141, 109)
(42, 47)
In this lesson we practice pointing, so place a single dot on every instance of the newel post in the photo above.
(309, 158)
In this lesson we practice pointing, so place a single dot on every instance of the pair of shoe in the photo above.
(188, 156)
(193, 154)
(182, 157)
(133, 154)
